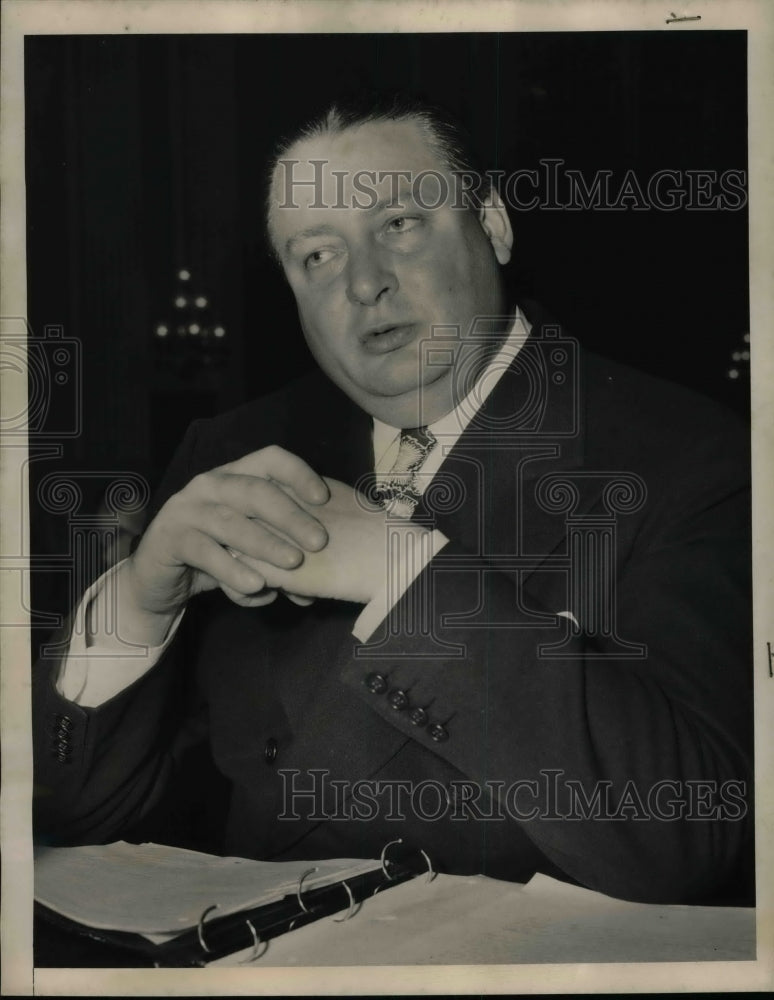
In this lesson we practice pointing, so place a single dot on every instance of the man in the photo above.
(462, 586)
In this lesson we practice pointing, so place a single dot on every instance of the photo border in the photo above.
(22, 17)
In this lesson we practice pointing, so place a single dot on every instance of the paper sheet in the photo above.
(469, 920)
(152, 889)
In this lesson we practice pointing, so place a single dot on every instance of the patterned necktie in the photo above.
(398, 492)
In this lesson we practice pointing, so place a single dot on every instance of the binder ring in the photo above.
(200, 925)
(431, 872)
(351, 912)
(256, 943)
(309, 871)
(383, 858)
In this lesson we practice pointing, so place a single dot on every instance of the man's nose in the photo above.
(370, 276)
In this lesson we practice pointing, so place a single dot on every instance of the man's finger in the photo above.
(286, 468)
(302, 602)
(254, 601)
(247, 535)
(292, 581)
(250, 600)
(203, 553)
(232, 495)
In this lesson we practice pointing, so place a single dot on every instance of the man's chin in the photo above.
(404, 403)
(392, 385)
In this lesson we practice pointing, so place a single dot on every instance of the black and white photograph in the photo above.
(384, 455)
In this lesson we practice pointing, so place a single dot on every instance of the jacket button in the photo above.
(376, 683)
(438, 732)
(398, 700)
(66, 723)
(270, 750)
(418, 717)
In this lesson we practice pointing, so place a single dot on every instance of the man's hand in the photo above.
(262, 506)
(354, 565)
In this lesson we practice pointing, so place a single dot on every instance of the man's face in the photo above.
(372, 273)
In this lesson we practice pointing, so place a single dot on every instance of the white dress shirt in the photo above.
(93, 673)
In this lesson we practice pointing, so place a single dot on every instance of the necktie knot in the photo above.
(399, 492)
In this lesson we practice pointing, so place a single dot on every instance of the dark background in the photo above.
(146, 154)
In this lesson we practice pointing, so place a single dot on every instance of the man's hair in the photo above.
(445, 134)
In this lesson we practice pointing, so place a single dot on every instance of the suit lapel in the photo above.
(506, 467)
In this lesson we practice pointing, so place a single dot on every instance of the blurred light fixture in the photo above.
(199, 343)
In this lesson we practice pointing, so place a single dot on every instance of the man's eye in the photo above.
(402, 224)
(317, 258)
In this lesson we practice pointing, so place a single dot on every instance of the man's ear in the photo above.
(497, 226)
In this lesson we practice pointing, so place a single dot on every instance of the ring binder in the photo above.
(256, 942)
(431, 873)
(383, 856)
(199, 926)
(227, 934)
(301, 877)
(351, 911)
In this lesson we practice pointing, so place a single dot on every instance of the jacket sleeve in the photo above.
(632, 775)
(99, 771)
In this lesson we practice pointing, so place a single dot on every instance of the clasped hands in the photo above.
(265, 523)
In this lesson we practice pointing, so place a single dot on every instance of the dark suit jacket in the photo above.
(588, 757)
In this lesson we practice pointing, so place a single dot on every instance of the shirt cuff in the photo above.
(93, 671)
(401, 575)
